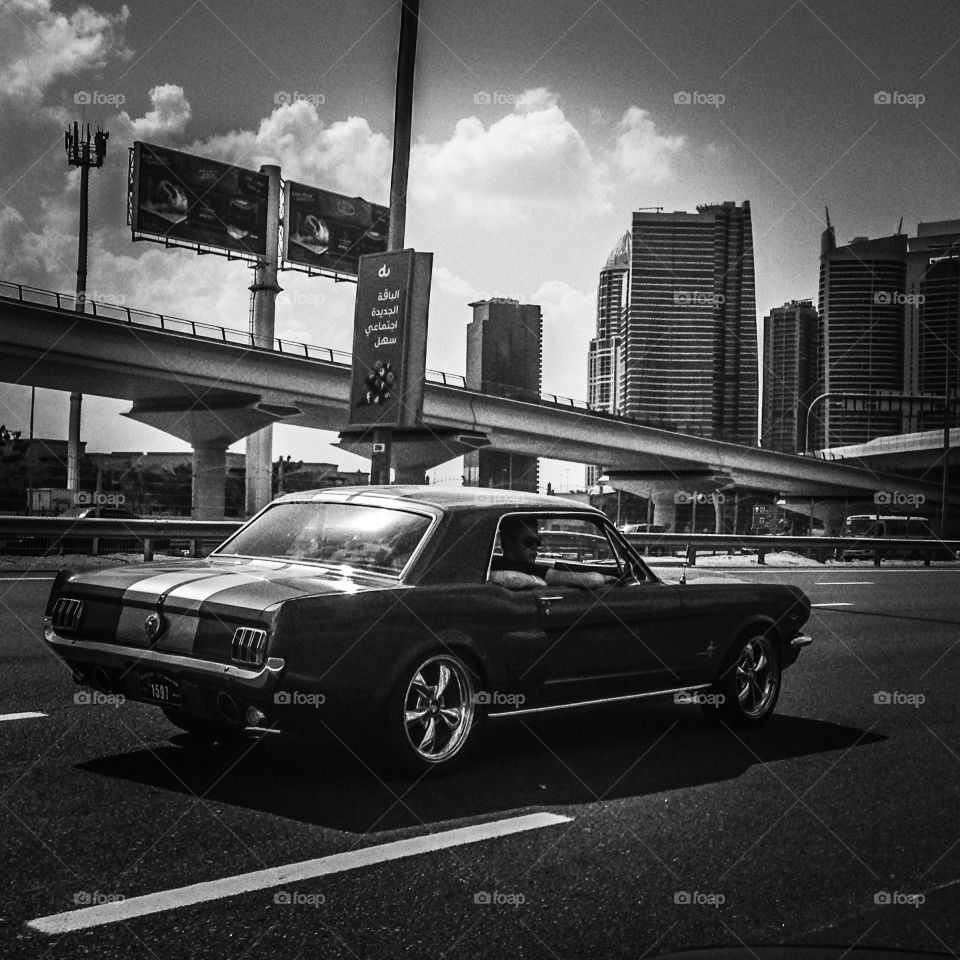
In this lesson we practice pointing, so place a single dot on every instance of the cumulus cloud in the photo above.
(167, 120)
(530, 159)
(39, 46)
(643, 154)
(345, 156)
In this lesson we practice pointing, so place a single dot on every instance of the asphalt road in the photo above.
(665, 835)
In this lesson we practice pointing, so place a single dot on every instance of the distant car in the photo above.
(869, 526)
(370, 611)
(644, 528)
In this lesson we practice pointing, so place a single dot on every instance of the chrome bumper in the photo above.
(112, 654)
(801, 641)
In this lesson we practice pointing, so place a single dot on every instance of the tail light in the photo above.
(248, 645)
(67, 614)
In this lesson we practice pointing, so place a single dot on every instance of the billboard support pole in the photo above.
(259, 458)
(402, 123)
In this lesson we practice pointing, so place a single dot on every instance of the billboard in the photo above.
(328, 231)
(390, 339)
(183, 200)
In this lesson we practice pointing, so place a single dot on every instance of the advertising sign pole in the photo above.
(403, 118)
(264, 289)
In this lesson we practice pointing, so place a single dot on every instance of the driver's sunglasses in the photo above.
(529, 542)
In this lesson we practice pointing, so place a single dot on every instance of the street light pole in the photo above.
(82, 153)
(402, 124)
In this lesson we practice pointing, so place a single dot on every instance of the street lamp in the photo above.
(84, 153)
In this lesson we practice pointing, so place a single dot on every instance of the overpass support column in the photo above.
(73, 443)
(209, 480)
(665, 511)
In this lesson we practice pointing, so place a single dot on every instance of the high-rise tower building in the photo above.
(689, 334)
(504, 353)
(604, 367)
(789, 374)
(861, 340)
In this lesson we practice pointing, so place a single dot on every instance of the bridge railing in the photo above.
(51, 536)
(118, 312)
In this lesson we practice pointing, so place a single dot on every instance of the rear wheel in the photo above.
(746, 692)
(432, 718)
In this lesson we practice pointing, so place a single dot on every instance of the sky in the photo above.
(538, 128)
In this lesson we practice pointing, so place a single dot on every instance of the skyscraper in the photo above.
(861, 339)
(689, 334)
(504, 353)
(789, 374)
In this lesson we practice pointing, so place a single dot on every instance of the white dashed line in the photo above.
(291, 873)
(19, 579)
(30, 715)
(844, 583)
(831, 604)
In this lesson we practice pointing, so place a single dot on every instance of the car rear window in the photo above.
(378, 539)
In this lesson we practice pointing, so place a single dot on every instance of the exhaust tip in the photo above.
(255, 717)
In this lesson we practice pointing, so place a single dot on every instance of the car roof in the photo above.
(443, 498)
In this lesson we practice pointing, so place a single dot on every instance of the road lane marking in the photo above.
(843, 583)
(29, 715)
(17, 579)
(291, 873)
(831, 604)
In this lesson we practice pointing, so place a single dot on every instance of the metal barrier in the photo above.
(56, 533)
(821, 548)
(45, 536)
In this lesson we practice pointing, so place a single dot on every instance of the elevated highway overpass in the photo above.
(213, 385)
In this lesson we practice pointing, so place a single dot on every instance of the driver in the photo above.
(518, 567)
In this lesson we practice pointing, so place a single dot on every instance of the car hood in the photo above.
(252, 585)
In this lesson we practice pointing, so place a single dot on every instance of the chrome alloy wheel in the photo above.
(438, 708)
(757, 677)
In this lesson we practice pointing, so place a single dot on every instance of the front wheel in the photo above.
(747, 689)
(432, 717)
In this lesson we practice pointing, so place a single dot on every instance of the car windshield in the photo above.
(378, 539)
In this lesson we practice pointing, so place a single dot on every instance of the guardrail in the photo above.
(820, 548)
(44, 536)
(56, 534)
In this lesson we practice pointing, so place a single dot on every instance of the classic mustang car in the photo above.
(370, 612)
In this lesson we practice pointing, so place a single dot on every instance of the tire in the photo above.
(432, 720)
(749, 686)
(203, 730)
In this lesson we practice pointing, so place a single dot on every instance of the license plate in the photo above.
(160, 688)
